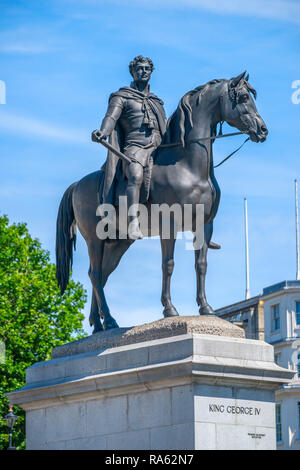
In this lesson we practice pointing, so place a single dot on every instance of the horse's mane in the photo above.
(181, 120)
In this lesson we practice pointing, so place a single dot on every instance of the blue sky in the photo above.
(61, 59)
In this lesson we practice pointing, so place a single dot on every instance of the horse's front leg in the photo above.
(94, 314)
(201, 268)
(167, 250)
(95, 273)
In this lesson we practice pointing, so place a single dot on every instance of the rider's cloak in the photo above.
(111, 171)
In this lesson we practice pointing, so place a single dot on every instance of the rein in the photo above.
(232, 153)
(196, 141)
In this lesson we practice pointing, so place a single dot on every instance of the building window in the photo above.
(298, 366)
(277, 358)
(237, 318)
(278, 423)
(275, 317)
(298, 313)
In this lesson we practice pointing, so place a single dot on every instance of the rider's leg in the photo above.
(134, 173)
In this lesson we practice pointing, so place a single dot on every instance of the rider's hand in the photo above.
(98, 136)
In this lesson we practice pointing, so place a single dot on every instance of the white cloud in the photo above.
(31, 39)
(23, 48)
(273, 9)
(33, 127)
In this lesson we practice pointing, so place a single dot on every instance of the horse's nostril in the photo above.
(264, 129)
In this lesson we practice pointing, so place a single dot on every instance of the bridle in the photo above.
(219, 136)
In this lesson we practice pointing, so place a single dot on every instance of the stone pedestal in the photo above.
(178, 383)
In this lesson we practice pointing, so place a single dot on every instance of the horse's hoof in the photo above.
(97, 330)
(170, 312)
(206, 310)
(110, 323)
(97, 327)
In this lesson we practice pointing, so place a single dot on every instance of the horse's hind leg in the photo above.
(167, 248)
(95, 272)
(94, 315)
(201, 268)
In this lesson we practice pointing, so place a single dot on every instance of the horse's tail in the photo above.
(65, 239)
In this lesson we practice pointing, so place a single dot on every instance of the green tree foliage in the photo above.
(34, 317)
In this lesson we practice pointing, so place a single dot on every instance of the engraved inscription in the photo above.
(233, 409)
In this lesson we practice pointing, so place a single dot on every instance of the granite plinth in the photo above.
(164, 328)
(184, 391)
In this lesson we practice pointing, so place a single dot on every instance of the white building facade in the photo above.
(278, 311)
(282, 330)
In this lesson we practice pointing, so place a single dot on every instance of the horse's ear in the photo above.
(247, 77)
(235, 81)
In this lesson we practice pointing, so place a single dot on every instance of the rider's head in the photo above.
(141, 68)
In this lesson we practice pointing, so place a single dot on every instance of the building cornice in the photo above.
(193, 358)
(239, 305)
(290, 389)
(274, 291)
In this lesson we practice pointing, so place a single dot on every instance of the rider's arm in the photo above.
(114, 111)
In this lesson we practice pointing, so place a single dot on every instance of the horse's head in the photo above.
(238, 108)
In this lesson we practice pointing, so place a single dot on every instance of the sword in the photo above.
(112, 149)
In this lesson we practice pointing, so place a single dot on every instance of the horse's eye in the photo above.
(243, 98)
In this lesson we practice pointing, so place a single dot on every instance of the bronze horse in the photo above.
(182, 174)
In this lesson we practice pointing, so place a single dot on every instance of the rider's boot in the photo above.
(134, 231)
(214, 246)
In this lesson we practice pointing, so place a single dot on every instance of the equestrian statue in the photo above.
(152, 161)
